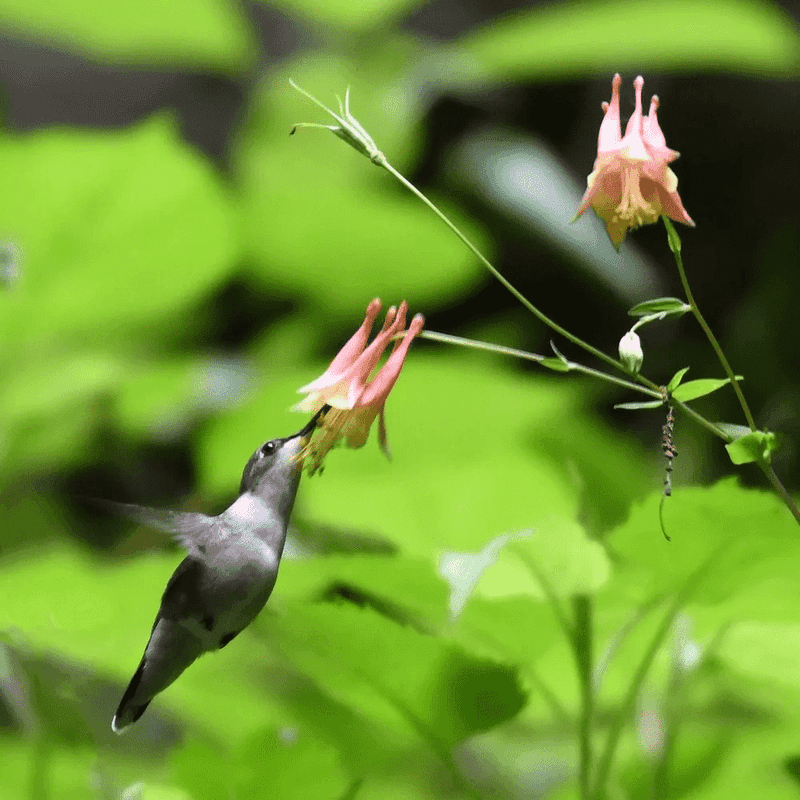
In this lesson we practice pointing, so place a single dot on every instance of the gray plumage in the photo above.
(228, 576)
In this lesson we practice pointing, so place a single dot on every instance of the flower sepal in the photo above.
(348, 129)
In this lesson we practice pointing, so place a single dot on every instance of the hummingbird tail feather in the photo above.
(169, 651)
(128, 713)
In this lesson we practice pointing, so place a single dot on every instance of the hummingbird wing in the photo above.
(192, 530)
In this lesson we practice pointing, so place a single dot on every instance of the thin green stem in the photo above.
(508, 285)
(765, 466)
(582, 643)
(788, 500)
(629, 701)
(447, 338)
(578, 633)
(701, 420)
(676, 251)
(564, 622)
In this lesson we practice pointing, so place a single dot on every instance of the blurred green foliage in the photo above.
(506, 499)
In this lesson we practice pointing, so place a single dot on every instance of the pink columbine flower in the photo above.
(354, 400)
(631, 184)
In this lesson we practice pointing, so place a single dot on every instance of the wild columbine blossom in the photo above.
(631, 184)
(354, 400)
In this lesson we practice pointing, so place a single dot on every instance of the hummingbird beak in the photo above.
(309, 429)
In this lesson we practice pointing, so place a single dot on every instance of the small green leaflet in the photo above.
(556, 364)
(753, 446)
(666, 305)
(676, 379)
(699, 388)
(643, 404)
(734, 431)
(672, 237)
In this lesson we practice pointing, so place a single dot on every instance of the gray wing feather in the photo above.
(191, 529)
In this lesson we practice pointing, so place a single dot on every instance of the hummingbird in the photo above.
(228, 575)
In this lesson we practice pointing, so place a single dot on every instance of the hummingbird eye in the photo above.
(268, 448)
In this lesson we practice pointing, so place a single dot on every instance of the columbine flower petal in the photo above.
(354, 400)
(631, 184)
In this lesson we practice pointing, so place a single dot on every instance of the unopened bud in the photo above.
(630, 352)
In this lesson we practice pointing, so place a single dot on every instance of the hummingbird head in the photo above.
(273, 471)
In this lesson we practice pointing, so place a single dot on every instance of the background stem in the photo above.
(582, 643)
(675, 246)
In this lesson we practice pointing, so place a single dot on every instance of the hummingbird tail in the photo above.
(128, 712)
(169, 651)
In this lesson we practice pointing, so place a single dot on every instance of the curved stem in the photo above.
(701, 420)
(582, 644)
(474, 344)
(675, 246)
(772, 477)
(620, 719)
(764, 466)
(578, 633)
(508, 285)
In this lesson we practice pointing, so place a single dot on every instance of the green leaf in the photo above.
(272, 762)
(556, 557)
(62, 770)
(198, 34)
(676, 379)
(571, 39)
(358, 656)
(140, 227)
(734, 431)
(756, 761)
(292, 763)
(361, 16)
(673, 240)
(639, 405)
(699, 388)
(515, 629)
(556, 364)
(668, 305)
(560, 555)
(753, 446)
(42, 386)
(745, 534)
(381, 581)
(763, 649)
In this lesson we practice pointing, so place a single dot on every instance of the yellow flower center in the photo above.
(313, 454)
(633, 209)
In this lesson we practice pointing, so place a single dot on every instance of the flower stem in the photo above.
(772, 477)
(626, 709)
(474, 344)
(764, 465)
(487, 264)
(578, 633)
(582, 646)
(675, 246)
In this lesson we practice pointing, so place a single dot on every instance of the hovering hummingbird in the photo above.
(228, 576)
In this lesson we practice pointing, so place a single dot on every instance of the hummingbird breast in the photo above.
(224, 592)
